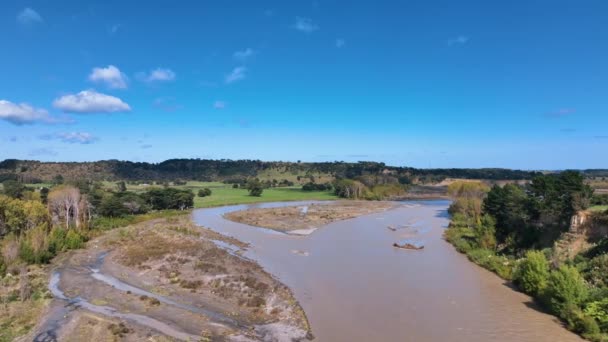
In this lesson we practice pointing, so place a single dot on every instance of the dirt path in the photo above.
(168, 280)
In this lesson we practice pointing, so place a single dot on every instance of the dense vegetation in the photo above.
(217, 170)
(517, 232)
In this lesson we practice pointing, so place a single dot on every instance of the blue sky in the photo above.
(519, 84)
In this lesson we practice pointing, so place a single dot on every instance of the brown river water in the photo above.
(354, 286)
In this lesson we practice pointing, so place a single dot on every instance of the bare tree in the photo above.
(64, 204)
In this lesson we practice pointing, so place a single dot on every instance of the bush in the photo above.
(73, 240)
(57, 240)
(598, 310)
(255, 188)
(565, 287)
(597, 273)
(206, 192)
(2, 267)
(532, 273)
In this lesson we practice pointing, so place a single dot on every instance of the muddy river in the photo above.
(354, 286)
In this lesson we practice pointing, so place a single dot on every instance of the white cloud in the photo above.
(340, 43)
(305, 25)
(560, 113)
(90, 101)
(236, 74)
(167, 104)
(157, 75)
(114, 28)
(22, 113)
(460, 40)
(245, 54)
(42, 152)
(28, 17)
(219, 105)
(111, 76)
(77, 137)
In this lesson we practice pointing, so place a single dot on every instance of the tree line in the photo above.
(218, 170)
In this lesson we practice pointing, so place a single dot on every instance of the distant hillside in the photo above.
(30, 171)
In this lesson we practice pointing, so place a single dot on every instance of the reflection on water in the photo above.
(354, 286)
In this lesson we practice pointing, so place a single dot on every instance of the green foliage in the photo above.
(169, 198)
(255, 187)
(597, 271)
(565, 287)
(121, 186)
(385, 191)
(206, 192)
(112, 206)
(501, 265)
(532, 273)
(348, 188)
(485, 232)
(311, 186)
(598, 310)
(73, 240)
(56, 240)
(13, 188)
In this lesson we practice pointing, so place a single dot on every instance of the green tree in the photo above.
(44, 195)
(204, 192)
(255, 187)
(565, 288)
(13, 188)
(532, 273)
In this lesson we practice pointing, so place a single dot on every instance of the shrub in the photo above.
(2, 267)
(532, 273)
(73, 240)
(57, 239)
(598, 310)
(205, 192)
(597, 273)
(565, 287)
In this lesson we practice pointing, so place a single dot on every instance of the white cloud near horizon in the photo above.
(560, 113)
(77, 137)
(29, 17)
(305, 25)
(157, 75)
(237, 74)
(111, 76)
(460, 40)
(23, 113)
(90, 101)
(244, 54)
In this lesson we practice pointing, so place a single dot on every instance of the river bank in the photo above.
(167, 277)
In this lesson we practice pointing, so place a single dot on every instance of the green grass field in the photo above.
(226, 195)
(599, 208)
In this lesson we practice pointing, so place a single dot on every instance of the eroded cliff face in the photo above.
(585, 228)
(591, 224)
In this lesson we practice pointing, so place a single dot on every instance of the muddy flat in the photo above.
(304, 219)
(168, 279)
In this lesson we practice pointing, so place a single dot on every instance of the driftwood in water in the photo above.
(407, 245)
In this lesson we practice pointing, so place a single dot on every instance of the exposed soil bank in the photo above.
(167, 279)
(354, 286)
(304, 219)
